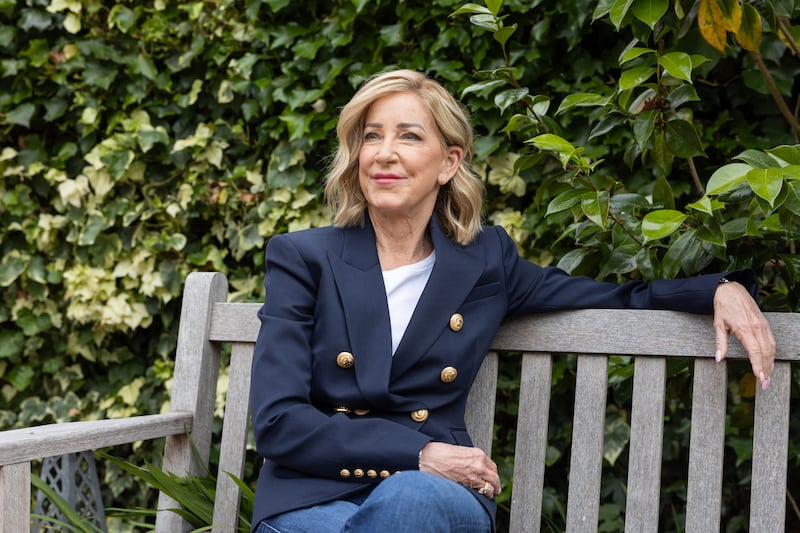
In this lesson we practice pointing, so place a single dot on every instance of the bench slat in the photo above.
(530, 451)
(706, 446)
(586, 462)
(770, 452)
(479, 417)
(234, 439)
(647, 430)
(15, 496)
(28, 444)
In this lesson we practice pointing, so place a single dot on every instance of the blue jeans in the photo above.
(408, 502)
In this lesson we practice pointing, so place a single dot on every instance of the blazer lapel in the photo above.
(359, 281)
(454, 274)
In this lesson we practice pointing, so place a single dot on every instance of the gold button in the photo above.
(448, 374)
(344, 359)
(361, 412)
(456, 322)
(385, 474)
(342, 409)
(358, 472)
(345, 473)
(372, 474)
(420, 415)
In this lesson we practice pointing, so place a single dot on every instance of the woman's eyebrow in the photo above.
(401, 125)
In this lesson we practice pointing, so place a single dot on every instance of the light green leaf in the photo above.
(677, 64)
(583, 100)
(483, 88)
(472, 8)
(727, 177)
(786, 154)
(703, 205)
(595, 206)
(494, 6)
(650, 11)
(633, 53)
(618, 11)
(757, 159)
(766, 183)
(565, 201)
(635, 77)
(502, 35)
(661, 223)
(643, 127)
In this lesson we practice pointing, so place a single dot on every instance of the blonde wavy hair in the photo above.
(459, 204)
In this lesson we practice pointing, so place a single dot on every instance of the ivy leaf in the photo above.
(650, 11)
(661, 223)
(21, 115)
(11, 266)
(766, 183)
(21, 376)
(711, 22)
(727, 177)
(749, 34)
(677, 64)
(682, 139)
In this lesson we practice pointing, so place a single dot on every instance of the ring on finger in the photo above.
(486, 489)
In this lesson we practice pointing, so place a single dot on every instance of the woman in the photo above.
(374, 329)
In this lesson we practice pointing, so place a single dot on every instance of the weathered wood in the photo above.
(194, 388)
(28, 444)
(586, 460)
(770, 452)
(706, 446)
(234, 439)
(647, 430)
(208, 321)
(15, 498)
(480, 404)
(531, 444)
(635, 332)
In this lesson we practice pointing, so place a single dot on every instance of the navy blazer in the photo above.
(333, 430)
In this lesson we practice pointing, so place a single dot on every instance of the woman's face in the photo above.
(403, 162)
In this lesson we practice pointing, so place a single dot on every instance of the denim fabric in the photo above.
(408, 502)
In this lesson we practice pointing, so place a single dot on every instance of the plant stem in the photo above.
(695, 176)
(773, 89)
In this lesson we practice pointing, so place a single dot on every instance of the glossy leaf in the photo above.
(727, 178)
(766, 183)
(682, 139)
(661, 223)
(595, 206)
(634, 77)
(650, 11)
(677, 65)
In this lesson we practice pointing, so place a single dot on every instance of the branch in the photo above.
(773, 89)
(695, 176)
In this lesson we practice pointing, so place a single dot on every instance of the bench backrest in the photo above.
(652, 337)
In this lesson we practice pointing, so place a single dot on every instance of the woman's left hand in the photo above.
(736, 312)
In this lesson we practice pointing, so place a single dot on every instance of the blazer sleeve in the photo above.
(533, 289)
(288, 429)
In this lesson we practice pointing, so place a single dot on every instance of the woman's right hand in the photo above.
(465, 465)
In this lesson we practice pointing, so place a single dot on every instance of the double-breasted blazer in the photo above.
(334, 412)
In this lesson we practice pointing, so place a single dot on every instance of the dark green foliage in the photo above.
(140, 141)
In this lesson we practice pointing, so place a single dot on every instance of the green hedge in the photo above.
(145, 140)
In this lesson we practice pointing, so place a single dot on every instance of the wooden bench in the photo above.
(652, 337)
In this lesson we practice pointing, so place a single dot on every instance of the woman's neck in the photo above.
(400, 242)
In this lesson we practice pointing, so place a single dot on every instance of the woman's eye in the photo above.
(370, 135)
(411, 136)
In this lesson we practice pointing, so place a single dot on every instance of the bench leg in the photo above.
(15, 498)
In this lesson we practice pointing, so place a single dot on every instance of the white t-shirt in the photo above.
(404, 286)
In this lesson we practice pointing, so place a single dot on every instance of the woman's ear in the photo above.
(453, 157)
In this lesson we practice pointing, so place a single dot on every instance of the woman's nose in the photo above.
(385, 153)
